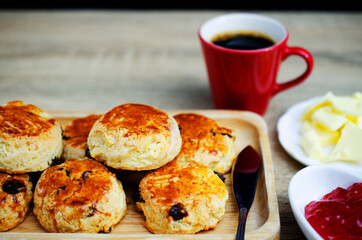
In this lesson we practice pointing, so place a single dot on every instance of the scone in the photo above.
(134, 137)
(182, 199)
(16, 193)
(205, 142)
(79, 195)
(30, 139)
(75, 137)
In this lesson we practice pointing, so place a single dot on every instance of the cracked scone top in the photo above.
(79, 196)
(205, 142)
(30, 139)
(134, 137)
(182, 198)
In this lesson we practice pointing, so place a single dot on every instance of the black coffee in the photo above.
(243, 40)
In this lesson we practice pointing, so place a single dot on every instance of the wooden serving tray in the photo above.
(263, 220)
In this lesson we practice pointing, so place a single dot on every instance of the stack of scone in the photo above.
(182, 158)
(30, 140)
(71, 195)
(181, 193)
(188, 195)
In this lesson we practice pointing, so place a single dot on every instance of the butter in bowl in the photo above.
(333, 123)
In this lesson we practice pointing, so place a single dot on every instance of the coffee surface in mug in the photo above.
(242, 40)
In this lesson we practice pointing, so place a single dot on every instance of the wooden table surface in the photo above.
(95, 60)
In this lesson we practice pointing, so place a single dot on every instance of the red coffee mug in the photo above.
(246, 79)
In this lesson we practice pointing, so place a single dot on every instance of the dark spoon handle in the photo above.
(243, 212)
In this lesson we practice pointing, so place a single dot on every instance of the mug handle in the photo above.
(307, 56)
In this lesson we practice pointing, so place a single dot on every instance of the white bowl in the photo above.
(311, 184)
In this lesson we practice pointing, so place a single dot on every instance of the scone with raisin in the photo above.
(75, 136)
(16, 193)
(79, 196)
(134, 137)
(205, 142)
(30, 139)
(182, 199)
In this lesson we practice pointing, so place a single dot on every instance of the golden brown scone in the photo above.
(16, 193)
(79, 196)
(134, 137)
(182, 199)
(30, 139)
(205, 142)
(75, 136)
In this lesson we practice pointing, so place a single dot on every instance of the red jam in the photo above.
(338, 215)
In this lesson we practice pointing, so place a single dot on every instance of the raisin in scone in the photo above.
(182, 199)
(75, 136)
(134, 137)
(205, 142)
(16, 193)
(30, 139)
(79, 196)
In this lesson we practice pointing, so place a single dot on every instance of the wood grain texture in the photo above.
(263, 220)
(86, 60)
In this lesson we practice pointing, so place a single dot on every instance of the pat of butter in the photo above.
(323, 101)
(348, 147)
(346, 105)
(323, 136)
(310, 144)
(328, 119)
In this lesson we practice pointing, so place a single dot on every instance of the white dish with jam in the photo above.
(289, 135)
(311, 184)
